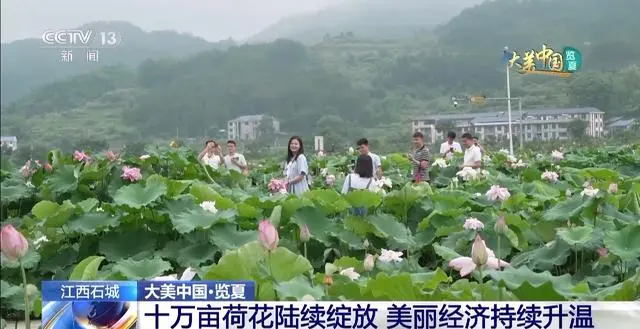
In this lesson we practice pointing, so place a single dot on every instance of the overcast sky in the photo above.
(211, 19)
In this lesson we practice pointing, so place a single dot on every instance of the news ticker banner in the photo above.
(214, 304)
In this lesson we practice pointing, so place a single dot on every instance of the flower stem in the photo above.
(499, 269)
(481, 281)
(271, 274)
(304, 244)
(27, 319)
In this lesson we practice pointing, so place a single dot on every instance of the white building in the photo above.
(10, 142)
(247, 127)
(540, 124)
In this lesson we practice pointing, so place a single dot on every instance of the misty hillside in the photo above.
(25, 64)
(366, 18)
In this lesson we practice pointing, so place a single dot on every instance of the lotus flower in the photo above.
(328, 280)
(351, 150)
(144, 157)
(268, 235)
(613, 188)
(111, 156)
(603, 252)
(305, 234)
(551, 176)
(81, 157)
(48, 167)
(277, 186)
(350, 273)
(320, 154)
(442, 163)
(470, 174)
(498, 193)
(473, 224)
(388, 256)
(324, 172)
(26, 169)
(12, 243)
(330, 180)
(557, 155)
(479, 253)
(187, 275)
(209, 206)
(589, 191)
(467, 265)
(369, 262)
(131, 174)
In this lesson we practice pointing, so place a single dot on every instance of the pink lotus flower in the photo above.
(551, 176)
(498, 193)
(111, 156)
(81, 157)
(131, 174)
(330, 180)
(473, 224)
(277, 186)
(12, 243)
(48, 167)
(305, 234)
(268, 235)
(603, 252)
(467, 265)
(613, 188)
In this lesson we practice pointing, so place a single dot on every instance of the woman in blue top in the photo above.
(296, 167)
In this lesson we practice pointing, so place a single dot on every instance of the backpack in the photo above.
(358, 211)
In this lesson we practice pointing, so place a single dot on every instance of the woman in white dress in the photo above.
(362, 176)
(296, 167)
(211, 154)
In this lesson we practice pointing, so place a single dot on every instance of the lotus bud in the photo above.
(501, 226)
(613, 188)
(305, 234)
(366, 244)
(369, 262)
(479, 253)
(48, 167)
(12, 243)
(268, 235)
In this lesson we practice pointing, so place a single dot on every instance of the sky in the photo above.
(210, 19)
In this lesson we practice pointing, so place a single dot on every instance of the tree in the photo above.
(577, 128)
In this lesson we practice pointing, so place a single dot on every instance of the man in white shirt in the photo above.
(450, 146)
(472, 155)
(363, 148)
(235, 161)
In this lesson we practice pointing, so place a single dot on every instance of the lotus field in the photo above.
(557, 226)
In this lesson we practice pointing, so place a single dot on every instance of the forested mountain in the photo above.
(340, 86)
(26, 64)
(366, 18)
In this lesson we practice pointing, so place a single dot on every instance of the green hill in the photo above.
(366, 18)
(26, 65)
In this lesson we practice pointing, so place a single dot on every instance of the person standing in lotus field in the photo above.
(235, 161)
(473, 153)
(211, 154)
(420, 158)
(363, 148)
(450, 146)
(296, 167)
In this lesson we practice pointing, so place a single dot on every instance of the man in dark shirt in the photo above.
(420, 158)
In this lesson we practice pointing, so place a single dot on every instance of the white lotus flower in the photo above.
(320, 154)
(497, 193)
(567, 193)
(613, 188)
(518, 164)
(468, 174)
(589, 191)
(557, 155)
(187, 275)
(384, 181)
(324, 172)
(442, 163)
(350, 273)
(209, 206)
(99, 209)
(512, 158)
(351, 150)
(505, 151)
(477, 195)
(387, 256)
(473, 224)
(551, 176)
(145, 157)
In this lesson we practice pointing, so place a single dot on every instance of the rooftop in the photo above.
(622, 123)
(501, 114)
(9, 138)
(254, 117)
